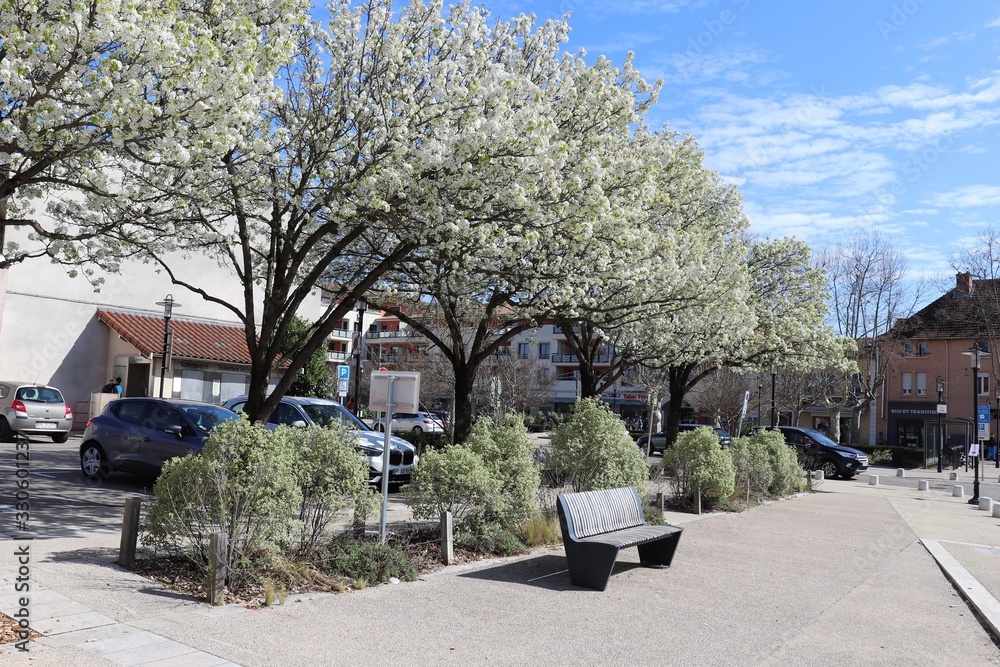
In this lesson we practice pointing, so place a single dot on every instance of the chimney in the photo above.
(963, 283)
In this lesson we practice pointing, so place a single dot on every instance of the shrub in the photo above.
(786, 473)
(494, 541)
(594, 450)
(366, 561)
(454, 479)
(752, 463)
(332, 477)
(699, 463)
(510, 457)
(241, 484)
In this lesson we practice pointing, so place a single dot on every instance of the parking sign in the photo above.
(343, 380)
(983, 421)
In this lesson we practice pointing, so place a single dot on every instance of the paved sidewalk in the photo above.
(841, 576)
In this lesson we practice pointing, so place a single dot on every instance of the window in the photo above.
(907, 384)
(921, 349)
(543, 350)
(983, 384)
(907, 351)
(524, 349)
(921, 384)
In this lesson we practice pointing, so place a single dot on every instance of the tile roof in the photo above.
(956, 315)
(193, 339)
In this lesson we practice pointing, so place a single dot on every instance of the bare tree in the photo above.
(512, 383)
(869, 292)
(982, 261)
(721, 397)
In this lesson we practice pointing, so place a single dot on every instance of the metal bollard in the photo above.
(958, 491)
(923, 485)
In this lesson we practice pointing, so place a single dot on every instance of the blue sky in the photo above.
(829, 116)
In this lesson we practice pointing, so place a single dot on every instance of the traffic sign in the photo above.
(983, 421)
(343, 372)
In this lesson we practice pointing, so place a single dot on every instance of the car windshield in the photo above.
(820, 438)
(207, 417)
(39, 394)
(326, 414)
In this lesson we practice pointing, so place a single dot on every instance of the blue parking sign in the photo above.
(343, 372)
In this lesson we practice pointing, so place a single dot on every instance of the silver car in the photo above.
(411, 422)
(32, 409)
(304, 411)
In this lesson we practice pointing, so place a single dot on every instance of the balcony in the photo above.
(386, 335)
(573, 359)
(343, 334)
(337, 356)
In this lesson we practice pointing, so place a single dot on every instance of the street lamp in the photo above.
(362, 307)
(975, 353)
(774, 386)
(940, 392)
(168, 304)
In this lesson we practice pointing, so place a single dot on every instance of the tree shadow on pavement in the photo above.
(548, 572)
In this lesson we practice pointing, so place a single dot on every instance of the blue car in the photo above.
(139, 435)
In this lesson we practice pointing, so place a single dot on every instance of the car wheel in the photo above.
(830, 469)
(417, 430)
(379, 428)
(60, 437)
(6, 432)
(93, 461)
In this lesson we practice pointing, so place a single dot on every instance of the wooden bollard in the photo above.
(447, 539)
(661, 501)
(218, 544)
(130, 532)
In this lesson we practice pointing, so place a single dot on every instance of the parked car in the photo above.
(660, 439)
(411, 422)
(139, 435)
(817, 451)
(33, 409)
(306, 411)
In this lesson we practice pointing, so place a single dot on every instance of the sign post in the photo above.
(343, 381)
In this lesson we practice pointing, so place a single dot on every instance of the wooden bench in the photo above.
(597, 524)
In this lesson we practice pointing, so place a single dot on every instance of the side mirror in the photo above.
(175, 429)
(300, 423)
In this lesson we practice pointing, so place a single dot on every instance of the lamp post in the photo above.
(975, 353)
(362, 307)
(940, 403)
(774, 387)
(168, 304)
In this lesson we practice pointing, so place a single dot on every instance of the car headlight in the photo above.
(371, 451)
(850, 456)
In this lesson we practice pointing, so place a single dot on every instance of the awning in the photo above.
(193, 339)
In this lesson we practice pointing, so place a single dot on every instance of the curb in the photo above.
(985, 605)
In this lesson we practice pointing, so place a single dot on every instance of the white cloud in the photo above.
(920, 211)
(968, 196)
(995, 23)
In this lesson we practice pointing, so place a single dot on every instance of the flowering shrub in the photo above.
(594, 450)
(700, 465)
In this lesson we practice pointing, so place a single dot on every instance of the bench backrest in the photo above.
(595, 512)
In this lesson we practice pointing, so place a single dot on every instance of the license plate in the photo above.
(397, 472)
(45, 425)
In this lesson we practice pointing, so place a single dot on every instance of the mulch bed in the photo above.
(9, 628)
(181, 575)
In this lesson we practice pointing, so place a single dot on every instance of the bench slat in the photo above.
(630, 537)
(603, 511)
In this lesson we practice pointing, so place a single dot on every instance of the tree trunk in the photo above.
(465, 377)
(678, 383)
(834, 431)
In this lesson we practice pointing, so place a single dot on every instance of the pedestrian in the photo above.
(118, 387)
(109, 388)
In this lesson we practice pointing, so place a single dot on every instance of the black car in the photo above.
(819, 452)
(660, 439)
(138, 435)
